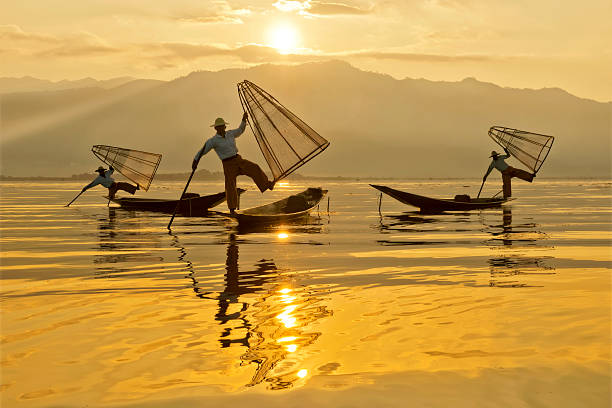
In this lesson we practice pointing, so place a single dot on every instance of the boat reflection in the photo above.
(130, 242)
(310, 224)
(513, 243)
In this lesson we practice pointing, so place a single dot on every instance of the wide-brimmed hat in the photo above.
(100, 169)
(494, 153)
(219, 122)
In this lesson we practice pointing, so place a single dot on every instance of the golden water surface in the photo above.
(508, 307)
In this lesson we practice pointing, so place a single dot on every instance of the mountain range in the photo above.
(377, 125)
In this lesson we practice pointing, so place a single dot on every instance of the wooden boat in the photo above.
(290, 208)
(429, 204)
(191, 205)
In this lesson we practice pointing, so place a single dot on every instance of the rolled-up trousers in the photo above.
(237, 166)
(112, 190)
(513, 172)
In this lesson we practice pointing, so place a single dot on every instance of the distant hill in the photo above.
(30, 84)
(377, 125)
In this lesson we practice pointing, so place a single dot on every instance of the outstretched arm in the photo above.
(488, 171)
(240, 130)
(205, 149)
(90, 185)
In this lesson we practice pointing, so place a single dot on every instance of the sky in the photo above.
(518, 43)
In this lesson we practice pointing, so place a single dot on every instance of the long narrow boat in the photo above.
(429, 204)
(191, 205)
(290, 208)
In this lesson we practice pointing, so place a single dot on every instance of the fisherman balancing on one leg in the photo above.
(107, 181)
(507, 171)
(224, 143)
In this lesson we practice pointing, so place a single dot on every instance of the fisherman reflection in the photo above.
(506, 227)
(272, 326)
(507, 268)
(237, 284)
(120, 240)
(107, 234)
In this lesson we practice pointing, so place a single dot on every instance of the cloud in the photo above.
(323, 9)
(13, 33)
(219, 12)
(291, 5)
(318, 8)
(171, 54)
(79, 50)
(407, 56)
(14, 40)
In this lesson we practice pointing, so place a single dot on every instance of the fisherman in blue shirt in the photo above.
(104, 178)
(507, 171)
(224, 144)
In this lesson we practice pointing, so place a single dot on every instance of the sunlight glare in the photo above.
(286, 318)
(286, 339)
(284, 38)
(302, 373)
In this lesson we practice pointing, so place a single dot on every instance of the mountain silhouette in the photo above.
(377, 125)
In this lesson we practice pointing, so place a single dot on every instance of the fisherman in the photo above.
(107, 181)
(507, 171)
(224, 143)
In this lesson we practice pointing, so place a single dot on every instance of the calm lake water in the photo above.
(503, 307)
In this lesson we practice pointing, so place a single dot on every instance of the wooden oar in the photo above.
(181, 198)
(78, 195)
(483, 181)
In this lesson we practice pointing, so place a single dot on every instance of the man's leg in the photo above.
(507, 179)
(112, 190)
(130, 188)
(522, 174)
(255, 172)
(230, 170)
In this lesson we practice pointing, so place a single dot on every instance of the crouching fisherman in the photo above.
(107, 181)
(507, 172)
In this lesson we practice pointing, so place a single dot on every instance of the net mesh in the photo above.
(135, 165)
(285, 140)
(529, 148)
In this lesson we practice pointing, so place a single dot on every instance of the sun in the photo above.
(284, 38)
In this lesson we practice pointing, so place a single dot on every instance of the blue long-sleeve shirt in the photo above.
(498, 163)
(225, 146)
(105, 180)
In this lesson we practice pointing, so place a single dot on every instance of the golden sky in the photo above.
(518, 43)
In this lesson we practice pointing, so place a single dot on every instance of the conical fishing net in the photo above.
(529, 148)
(285, 140)
(135, 165)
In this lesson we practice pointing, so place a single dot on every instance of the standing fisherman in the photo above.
(107, 181)
(224, 143)
(507, 171)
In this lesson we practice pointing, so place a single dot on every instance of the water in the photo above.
(103, 307)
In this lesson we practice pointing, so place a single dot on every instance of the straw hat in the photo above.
(219, 122)
(100, 168)
(494, 153)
